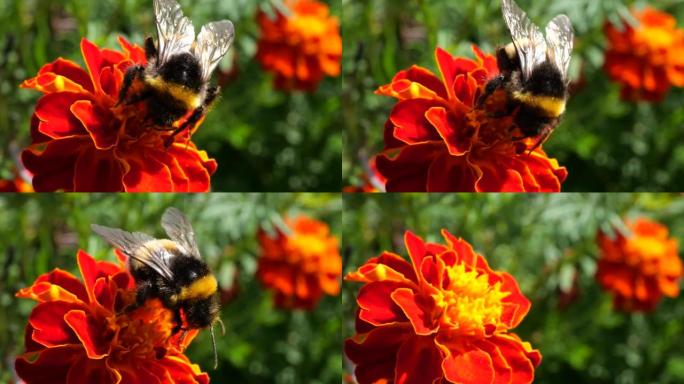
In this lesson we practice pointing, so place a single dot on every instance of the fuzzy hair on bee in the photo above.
(533, 72)
(172, 271)
(175, 79)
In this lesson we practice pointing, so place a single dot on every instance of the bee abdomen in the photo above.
(189, 98)
(199, 289)
(549, 105)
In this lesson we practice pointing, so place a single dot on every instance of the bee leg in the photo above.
(132, 73)
(197, 114)
(150, 49)
(542, 138)
(490, 88)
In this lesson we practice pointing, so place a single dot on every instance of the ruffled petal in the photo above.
(375, 352)
(93, 334)
(97, 171)
(99, 122)
(57, 285)
(49, 327)
(56, 119)
(53, 164)
(418, 361)
(51, 366)
(411, 124)
(377, 306)
(416, 308)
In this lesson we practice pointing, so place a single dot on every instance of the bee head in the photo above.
(546, 80)
(182, 69)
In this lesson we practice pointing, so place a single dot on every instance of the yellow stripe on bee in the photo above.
(200, 289)
(552, 106)
(190, 98)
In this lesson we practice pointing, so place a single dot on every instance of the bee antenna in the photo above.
(213, 343)
(223, 327)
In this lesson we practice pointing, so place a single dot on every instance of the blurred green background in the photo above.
(606, 144)
(261, 345)
(263, 139)
(548, 244)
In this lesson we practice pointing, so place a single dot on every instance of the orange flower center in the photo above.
(644, 249)
(143, 332)
(305, 27)
(469, 302)
(305, 251)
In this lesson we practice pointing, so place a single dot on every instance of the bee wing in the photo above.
(180, 230)
(527, 37)
(175, 31)
(130, 242)
(213, 43)
(559, 38)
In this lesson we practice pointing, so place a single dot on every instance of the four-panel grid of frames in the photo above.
(341, 191)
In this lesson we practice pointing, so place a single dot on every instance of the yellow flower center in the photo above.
(469, 302)
(643, 249)
(306, 250)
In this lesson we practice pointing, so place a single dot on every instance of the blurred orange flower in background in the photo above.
(80, 331)
(638, 269)
(17, 184)
(300, 266)
(437, 141)
(82, 142)
(301, 45)
(443, 318)
(647, 59)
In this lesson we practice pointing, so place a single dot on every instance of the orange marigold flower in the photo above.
(80, 331)
(301, 46)
(443, 318)
(646, 58)
(437, 141)
(302, 265)
(81, 141)
(639, 268)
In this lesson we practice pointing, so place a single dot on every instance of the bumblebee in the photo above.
(533, 72)
(176, 77)
(170, 270)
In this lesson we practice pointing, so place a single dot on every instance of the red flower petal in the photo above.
(99, 122)
(375, 353)
(97, 171)
(85, 370)
(407, 171)
(194, 167)
(451, 174)
(180, 369)
(418, 362)
(60, 76)
(497, 178)
(53, 167)
(517, 357)
(49, 330)
(465, 364)
(96, 60)
(145, 173)
(93, 334)
(377, 306)
(410, 123)
(56, 119)
(386, 267)
(458, 141)
(56, 285)
(415, 307)
(51, 366)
